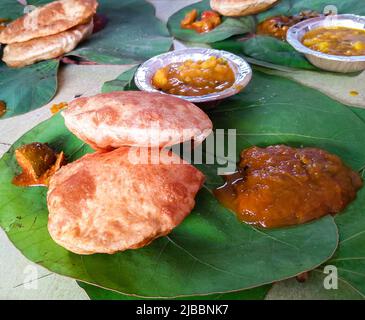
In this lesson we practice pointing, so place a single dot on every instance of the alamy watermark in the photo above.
(198, 147)
(330, 282)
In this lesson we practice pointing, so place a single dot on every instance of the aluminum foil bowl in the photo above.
(324, 61)
(241, 69)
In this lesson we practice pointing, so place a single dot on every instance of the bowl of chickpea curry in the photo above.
(334, 43)
(195, 74)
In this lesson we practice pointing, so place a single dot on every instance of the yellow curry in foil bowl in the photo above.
(197, 75)
(334, 43)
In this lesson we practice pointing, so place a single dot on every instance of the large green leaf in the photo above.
(97, 293)
(292, 7)
(123, 82)
(267, 49)
(360, 112)
(132, 35)
(12, 9)
(228, 28)
(345, 88)
(349, 261)
(350, 257)
(28, 88)
(210, 251)
(313, 289)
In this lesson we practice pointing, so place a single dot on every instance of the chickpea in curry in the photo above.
(339, 41)
(194, 78)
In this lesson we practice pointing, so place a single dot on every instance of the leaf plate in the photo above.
(210, 252)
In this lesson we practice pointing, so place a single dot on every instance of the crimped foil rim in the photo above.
(294, 35)
(242, 70)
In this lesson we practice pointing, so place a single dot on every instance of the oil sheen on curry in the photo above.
(194, 78)
(339, 41)
(281, 186)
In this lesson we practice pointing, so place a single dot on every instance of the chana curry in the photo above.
(339, 41)
(194, 78)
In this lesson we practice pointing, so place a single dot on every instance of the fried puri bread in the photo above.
(103, 203)
(240, 7)
(135, 118)
(50, 19)
(21, 54)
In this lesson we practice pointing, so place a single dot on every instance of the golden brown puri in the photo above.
(240, 7)
(26, 53)
(135, 118)
(103, 203)
(50, 19)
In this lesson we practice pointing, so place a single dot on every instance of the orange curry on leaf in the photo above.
(38, 162)
(281, 186)
(207, 22)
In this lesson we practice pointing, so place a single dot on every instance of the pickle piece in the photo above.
(35, 158)
(38, 162)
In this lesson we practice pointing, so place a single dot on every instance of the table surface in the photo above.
(87, 80)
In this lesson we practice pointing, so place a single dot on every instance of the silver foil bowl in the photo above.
(241, 69)
(321, 60)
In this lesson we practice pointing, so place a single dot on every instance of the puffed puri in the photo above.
(134, 118)
(237, 8)
(103, 203)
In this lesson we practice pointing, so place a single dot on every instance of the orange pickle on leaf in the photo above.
(189, 18)
(281, 186)
(38, 162)
(208, 21)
